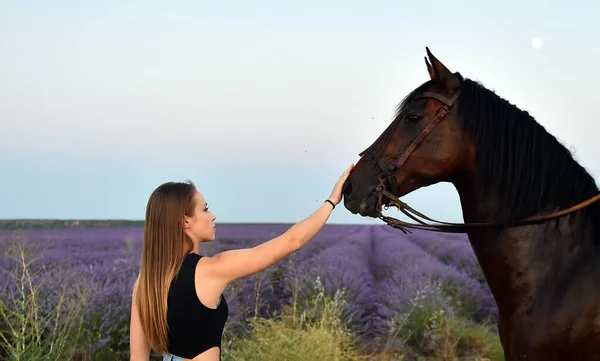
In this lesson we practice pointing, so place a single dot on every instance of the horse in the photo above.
(530, 210)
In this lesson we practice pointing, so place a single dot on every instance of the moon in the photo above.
(536, 43)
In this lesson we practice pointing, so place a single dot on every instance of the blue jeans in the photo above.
(169, 357)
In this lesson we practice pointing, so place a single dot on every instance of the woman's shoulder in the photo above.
(201, 263)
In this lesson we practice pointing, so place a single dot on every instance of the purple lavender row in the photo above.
(422, 271)
(381, 268)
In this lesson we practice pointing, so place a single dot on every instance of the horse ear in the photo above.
(429, 69)
(441, 73)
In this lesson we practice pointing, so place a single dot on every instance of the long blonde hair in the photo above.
(165, 247)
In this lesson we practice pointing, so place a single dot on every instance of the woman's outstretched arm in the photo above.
(228, 266)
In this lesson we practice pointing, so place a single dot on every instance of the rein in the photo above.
(387, 176)
(448, 227)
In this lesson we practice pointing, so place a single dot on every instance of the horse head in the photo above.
(422, 146)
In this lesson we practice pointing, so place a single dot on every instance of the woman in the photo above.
(177, 306)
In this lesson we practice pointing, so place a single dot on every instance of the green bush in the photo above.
(31, 329)
(431, 331)
(316, 332)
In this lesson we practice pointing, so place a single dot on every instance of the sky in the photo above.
(262, 104)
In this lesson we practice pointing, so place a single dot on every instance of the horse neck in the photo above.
(522, 263)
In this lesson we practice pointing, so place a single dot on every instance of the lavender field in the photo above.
(397, 289)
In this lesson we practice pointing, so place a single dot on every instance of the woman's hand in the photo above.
(336, 194)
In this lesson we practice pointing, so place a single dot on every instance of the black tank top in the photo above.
(193, 327)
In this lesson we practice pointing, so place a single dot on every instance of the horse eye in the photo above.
(413, 117)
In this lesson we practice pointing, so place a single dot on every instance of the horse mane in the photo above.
(519, 160)
(528, 169)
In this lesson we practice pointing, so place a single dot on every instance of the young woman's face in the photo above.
(200, 227)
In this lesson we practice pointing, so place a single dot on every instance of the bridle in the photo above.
(387, 176)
